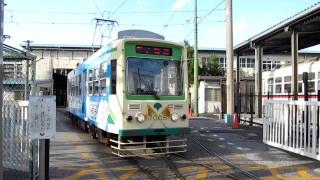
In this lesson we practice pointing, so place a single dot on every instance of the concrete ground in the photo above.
(74, 155)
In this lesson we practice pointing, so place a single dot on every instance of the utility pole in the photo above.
(195, 64)
(1, 85)
(26, 86)
(229, 53)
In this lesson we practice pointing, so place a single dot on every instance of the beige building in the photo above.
(54, 62)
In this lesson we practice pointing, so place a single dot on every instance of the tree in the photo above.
(212, 68)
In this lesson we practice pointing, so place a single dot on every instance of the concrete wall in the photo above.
(53, 59)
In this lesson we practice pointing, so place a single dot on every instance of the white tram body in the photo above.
(276, 84)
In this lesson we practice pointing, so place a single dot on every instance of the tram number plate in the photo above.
(42, 117)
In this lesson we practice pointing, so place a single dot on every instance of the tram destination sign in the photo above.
(42, 117)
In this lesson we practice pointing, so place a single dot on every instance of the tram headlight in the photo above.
(174, 117)
(140, 117)
(128, 117)
(183, 116)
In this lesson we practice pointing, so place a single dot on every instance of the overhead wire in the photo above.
(200, 21)
(94, 13)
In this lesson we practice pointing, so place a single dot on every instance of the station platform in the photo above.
(244, 146)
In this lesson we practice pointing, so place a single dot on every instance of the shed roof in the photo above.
(13, 53)
(277, 39)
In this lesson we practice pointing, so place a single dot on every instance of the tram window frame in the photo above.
(90, 88)
(311, 82)
(103, 78)
(95, 88)
(311, 86)
(278, 88)
(113, 76)
(270, 85)
(300, 87)
(90, 73)
(287, 79)
(287, 88)
(95, 82)
(90, 82)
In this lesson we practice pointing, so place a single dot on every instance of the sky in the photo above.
(72, 22)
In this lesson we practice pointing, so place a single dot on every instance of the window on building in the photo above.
(250, 62)
(222, 62)
(212, 94)
(243, 62)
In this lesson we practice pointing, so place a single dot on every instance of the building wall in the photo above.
(48, 60)
(247, 62)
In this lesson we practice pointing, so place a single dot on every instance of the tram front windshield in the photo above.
(154, 77)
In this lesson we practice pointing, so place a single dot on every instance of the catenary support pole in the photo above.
(1, 85)
(258, 81)
(195, 72)
(294, 62)
(229, 53)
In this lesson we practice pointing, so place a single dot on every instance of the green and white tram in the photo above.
(133, 94)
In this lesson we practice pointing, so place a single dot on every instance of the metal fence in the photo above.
(19, 152)
(292, 126)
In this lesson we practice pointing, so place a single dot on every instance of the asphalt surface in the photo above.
(74, 155)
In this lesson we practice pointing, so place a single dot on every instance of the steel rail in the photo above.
(229, 163)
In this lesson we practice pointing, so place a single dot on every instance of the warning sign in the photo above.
(42, 117)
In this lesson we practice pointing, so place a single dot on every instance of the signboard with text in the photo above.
(42, 117)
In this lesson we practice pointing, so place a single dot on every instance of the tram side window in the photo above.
(96, 82)
(270, 85)
(103, 75)
(90, 82)
(287, 88)
(278, 88)
(90, 89)
(278, 81)
(311, 82)
(300, 87)
(113, 78)
(90, 75)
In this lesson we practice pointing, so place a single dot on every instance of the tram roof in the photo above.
(277, 39)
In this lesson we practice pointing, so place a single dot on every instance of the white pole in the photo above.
(229, 53)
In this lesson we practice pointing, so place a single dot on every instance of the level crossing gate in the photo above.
(292, 126)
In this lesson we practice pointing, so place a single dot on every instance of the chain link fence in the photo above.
(19, 152)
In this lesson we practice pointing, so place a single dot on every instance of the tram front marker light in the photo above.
(140, 117)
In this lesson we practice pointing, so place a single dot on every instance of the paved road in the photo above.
(74, 155)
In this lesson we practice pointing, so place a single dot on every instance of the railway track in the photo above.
(225, 161)
(147, 171)
(173, 167)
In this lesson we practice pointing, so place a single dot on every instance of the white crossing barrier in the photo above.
(292, 126)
